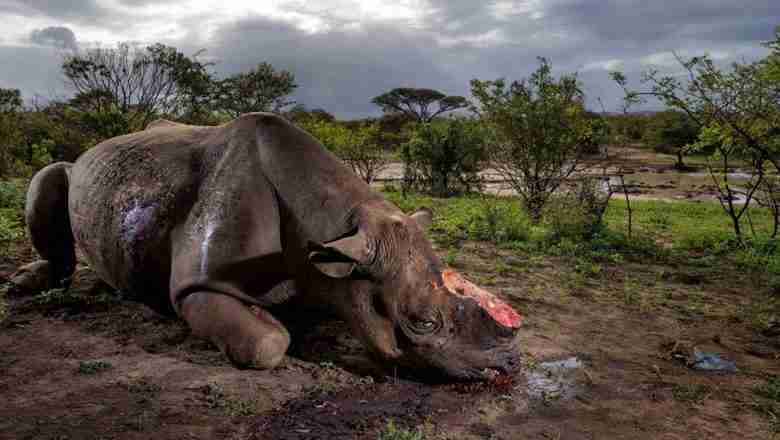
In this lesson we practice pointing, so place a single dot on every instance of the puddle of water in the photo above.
(554, 380)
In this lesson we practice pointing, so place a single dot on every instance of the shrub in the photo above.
(499, 223)
(578, 213)
(541, 129)
(11, 213)
(443, 158)
(12, 195)
(392, 432)
(357, 146)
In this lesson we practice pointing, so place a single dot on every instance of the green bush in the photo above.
(358, 146)
(500, 222)
(12, 195)
(443, 158)
(11, 212)
(759, 255)
(578, 213)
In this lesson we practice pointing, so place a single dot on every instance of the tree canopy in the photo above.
(262, 89)
(144, 82)
(421, 105)
(541, 129)
(10, 100)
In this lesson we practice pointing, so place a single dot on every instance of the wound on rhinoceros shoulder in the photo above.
(500, 311)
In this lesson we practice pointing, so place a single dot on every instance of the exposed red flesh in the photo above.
(502, 312)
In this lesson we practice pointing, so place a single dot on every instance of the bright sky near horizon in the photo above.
(344, 52)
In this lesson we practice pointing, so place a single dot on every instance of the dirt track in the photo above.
(158, 382)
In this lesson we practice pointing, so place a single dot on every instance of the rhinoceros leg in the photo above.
(249, 337)
(47, 217)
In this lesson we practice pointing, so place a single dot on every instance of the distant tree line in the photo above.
(119, 90)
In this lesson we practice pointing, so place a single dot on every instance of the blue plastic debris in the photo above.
(712, 362)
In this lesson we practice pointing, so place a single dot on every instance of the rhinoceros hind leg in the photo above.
(47, 217)
(31, 278)
(249, 337)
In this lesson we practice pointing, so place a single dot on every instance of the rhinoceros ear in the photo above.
(423, 217)
(338, 258)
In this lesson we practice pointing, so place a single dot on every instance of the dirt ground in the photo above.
(92, 366)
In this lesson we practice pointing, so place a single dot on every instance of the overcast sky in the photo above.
(344, 52)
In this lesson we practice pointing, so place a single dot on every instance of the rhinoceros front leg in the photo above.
(249, 337)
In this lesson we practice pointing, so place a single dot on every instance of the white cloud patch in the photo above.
(606, 65)
(490, 38)
(506, 10)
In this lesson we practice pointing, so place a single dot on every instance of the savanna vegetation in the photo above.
(570, 238)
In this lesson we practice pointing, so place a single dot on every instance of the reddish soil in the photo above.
(630, 327)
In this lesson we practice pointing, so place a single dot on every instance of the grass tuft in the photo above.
(94, 367)
(392, 432)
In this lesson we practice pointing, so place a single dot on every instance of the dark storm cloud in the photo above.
(338, 70)
(56, 36)
(455, 41)
(76, 10)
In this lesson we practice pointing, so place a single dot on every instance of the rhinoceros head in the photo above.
(409, 309)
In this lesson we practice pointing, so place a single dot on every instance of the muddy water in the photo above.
(666, 184)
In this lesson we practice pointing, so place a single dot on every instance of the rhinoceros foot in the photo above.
(31, 278)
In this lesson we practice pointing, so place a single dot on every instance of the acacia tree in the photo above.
(145, 82)
(541, 131)
(262, 89)
(737, 110)
(421, 105)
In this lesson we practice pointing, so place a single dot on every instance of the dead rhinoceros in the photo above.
(215, 223)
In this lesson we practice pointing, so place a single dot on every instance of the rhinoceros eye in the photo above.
(423, 325)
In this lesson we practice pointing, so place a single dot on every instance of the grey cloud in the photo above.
(32, 69)
(56, 36)
(77, 10)
(342, 70)
(338, 70)
(647, 22)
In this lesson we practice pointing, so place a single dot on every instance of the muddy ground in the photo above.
(89, 365)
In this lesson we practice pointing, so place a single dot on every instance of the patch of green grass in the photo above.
(692, 232)
(693, 393)
(71, 298)
(770, 389)
(12, 196)
(451, 257)
(218, 398)
(392, 432)
(94, 367)
(4, 301)
(769, 404)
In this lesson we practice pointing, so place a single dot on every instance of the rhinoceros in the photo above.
(218, 224)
